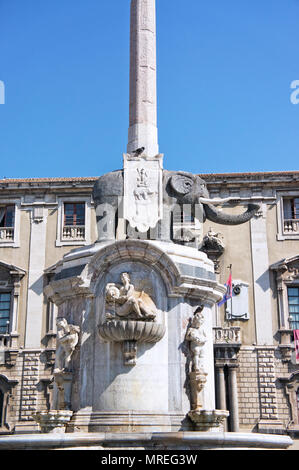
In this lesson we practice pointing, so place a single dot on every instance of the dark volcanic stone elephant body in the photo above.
(180, 190)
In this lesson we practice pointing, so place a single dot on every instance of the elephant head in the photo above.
(187, 188)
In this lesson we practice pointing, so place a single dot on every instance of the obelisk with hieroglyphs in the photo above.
(143, 84)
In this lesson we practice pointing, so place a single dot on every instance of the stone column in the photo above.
(233, 398)
(221, 390)
(143, 87)
(221, 398)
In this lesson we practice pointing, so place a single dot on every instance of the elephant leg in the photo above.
(105, 215)
(164, 226)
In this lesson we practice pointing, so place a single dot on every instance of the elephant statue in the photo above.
(181, 191)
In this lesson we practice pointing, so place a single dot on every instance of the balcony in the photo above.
(6, 234)
(8, 353)
(227, 336)
(227, 342)
(291, 226)
(73, 233)
(4, 341)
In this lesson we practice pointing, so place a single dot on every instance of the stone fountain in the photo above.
(134, 361)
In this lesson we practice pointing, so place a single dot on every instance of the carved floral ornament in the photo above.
(287, 269)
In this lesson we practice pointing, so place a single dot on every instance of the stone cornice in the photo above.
(271, 175)
(216, 178)
(46, 184)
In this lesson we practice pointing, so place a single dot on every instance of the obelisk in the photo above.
(143, 87)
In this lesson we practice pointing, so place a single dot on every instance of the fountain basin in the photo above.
(148, 441)
(127, 330)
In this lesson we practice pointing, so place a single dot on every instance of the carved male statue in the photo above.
(128, 302)
(67, 339)
(197, 338)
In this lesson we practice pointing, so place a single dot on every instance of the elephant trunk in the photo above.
(220, 217)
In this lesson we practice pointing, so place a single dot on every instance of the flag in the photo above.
(229, 290)
(296, 341)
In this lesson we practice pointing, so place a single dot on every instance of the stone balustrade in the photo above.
(6, 234)
(291, 226)
(73, 232)
(229, 336)
(4, 341)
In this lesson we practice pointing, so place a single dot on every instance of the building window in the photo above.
(291, 215)
(7, 223)
(74, 221)
(293, 297)
(5, 306)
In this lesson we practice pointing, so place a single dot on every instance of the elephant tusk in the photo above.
(216, 200)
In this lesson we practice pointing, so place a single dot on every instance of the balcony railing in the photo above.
(5, 341)
(227, 336)
(6, 234)
(73, 233)
(291, 226)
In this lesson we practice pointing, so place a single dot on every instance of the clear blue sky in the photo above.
(224, 75)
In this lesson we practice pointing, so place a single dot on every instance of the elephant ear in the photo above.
(181, 184)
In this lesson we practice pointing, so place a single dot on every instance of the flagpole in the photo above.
(231, 299)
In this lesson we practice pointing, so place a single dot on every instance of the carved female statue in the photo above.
(129, 302)
(67, 339)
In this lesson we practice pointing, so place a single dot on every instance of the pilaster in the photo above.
(261, 286)
(37, 255)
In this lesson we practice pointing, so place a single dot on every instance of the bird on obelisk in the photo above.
(143, 133)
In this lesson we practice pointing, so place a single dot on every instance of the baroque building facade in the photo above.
(257, 378)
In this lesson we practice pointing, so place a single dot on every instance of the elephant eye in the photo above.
(181, 184)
